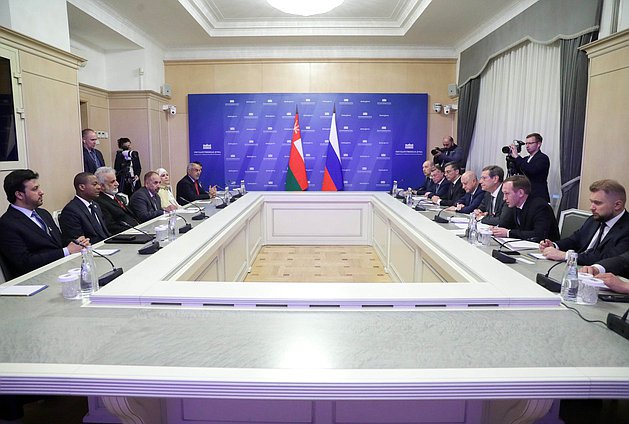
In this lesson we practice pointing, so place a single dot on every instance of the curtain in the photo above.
(519, 94)
(466, 115)
(574, 79)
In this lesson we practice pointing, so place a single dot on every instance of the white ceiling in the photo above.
(400, 28)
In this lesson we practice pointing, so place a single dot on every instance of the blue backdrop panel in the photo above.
(382, 137)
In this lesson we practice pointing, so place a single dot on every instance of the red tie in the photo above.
(120, 203)
(196, 186)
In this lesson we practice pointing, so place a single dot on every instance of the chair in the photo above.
(55, 217)
(571, 220)
(4, 272)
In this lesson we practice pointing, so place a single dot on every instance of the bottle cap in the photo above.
(64, 278)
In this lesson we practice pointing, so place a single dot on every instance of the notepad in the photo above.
(24, 290)
(106, 252)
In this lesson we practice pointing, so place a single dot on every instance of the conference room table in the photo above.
(216, 364)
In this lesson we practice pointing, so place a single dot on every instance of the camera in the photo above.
(436, 150)
(518, 146)
(436, 107)
(172, 110)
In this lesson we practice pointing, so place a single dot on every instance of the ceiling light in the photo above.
(305, 7)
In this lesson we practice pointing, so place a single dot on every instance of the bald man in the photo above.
(473, 197)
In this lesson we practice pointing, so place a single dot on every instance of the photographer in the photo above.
(449, 153)
(128, 167)
(535, 166)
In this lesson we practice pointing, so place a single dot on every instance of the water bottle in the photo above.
(172, 226)
(472, 230)
(570, 279)
(242, 187)
(228, 194)
(394, 188)
(409, 197)
(89, 277)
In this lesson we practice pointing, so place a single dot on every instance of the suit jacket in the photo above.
(493, 217)
(186, 192)
(88, 163)
(77, 220)
(114, 214)
(471, 200)
(428, 185)
(537, 172)
(455, 192)
(537, 221)
(24, 245)
(441, 190)
(615, 243)
(455, 154)
(618, 265)
(128, 184)
(145, 206)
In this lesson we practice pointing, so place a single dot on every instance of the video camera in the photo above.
(518, 145)
(437, 150)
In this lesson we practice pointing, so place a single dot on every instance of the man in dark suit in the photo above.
(493, 203)
(82, 215)
(455, 191)
(113, 206)
(449, 153)
(535, 166)
(427, 185)
(603, 235)
(189, 188)
(473, 194)
(30, 239)
(528, 218)
(441, 184)
(92, 157)
(145, 202)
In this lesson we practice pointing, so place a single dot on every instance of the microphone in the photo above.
(186, 227)
(439, 219)
(200, 215)
(505, 256)
(547, 282)
(107, 277)
(150, 248)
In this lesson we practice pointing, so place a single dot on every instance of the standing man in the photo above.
(145, 203)
(473, 194)
(92, 157)
(428, 185)
(535, 166)
(603, 235)
(492, 205)
(449, 153)
(455, 191)
(529, 218)
(30, 239)
(189, 188)
(82, 215)
(113, 207)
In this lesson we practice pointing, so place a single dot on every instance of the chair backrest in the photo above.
(4, 272)
(571, 220)
(55, 217)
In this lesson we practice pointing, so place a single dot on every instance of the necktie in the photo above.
(93, 154)
(599, 235)
(493, 206)
(97, 224)
(120, 202)
(196, 186)
(517, 216)
(41, 222)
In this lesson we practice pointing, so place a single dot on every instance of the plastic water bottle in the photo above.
(172, 226)
(228, 195)
(409, 197)
(89, 277)
(394, 188)
(570, 279)
(242, 187)
(472, 230)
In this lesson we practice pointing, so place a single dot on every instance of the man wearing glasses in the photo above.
(535, 166)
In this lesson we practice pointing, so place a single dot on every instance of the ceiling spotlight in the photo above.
(305, 7)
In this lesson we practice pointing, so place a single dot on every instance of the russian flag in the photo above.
(333, 174)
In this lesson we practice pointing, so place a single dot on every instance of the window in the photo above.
(12, 140)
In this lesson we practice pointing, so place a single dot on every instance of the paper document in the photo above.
(460, 220)
(106, 252)
(515, 244)
(25, 290)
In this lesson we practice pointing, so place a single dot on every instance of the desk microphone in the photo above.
(547, 282)
(107, 277)
(201, 215)
(150, 248)
(504, 256)
(439, 219)
(186, 227)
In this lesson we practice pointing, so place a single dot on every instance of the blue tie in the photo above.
(41, 222)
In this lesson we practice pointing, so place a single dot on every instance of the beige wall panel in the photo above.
(609, 62)
(433, 78)
(189, 78)
(286, 78)
(128, 101)
(179, 148)
(334, 77)
(157, 139)
(40, 66)
(439, 126)
(238, 78)
(132, 123)
(53, 136)
(376, 77)
(98, 118)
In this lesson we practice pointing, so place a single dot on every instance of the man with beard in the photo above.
(114, 209)
(605, 234)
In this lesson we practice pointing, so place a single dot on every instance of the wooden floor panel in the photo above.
(345, 264)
